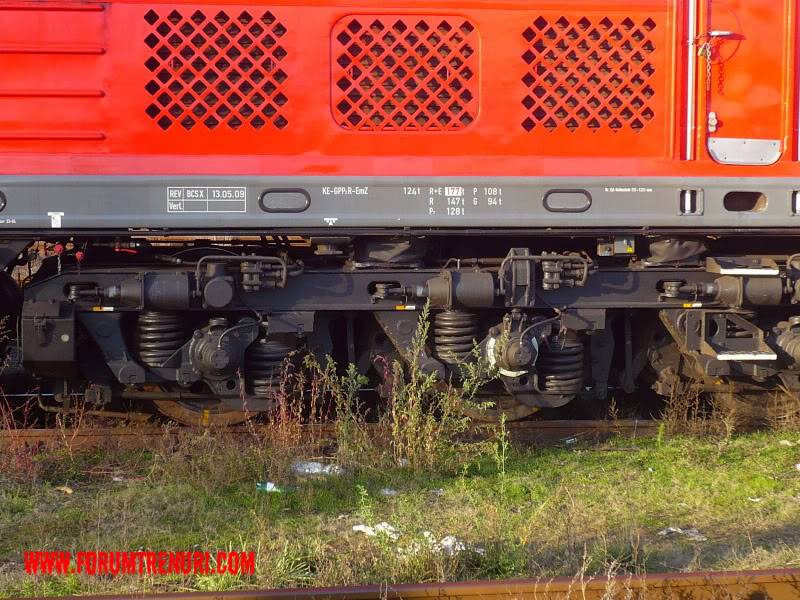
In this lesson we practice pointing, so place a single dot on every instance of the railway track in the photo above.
(530, 432)
(741, 585)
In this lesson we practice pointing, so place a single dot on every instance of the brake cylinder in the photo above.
(469, 289)
(749, 291)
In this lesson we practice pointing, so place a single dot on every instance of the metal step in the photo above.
(747, 355)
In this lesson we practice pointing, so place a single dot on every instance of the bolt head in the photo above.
(219, 359)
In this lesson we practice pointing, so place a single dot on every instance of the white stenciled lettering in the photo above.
(55, 219)
(345, 190)
(629, 190)
(196, 199)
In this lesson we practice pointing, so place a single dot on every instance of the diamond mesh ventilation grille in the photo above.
(591, 74)
(405, 73)
(214, 69)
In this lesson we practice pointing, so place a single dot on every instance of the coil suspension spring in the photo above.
(454, 335)
(160, 335)
(560, 366)
(265, 364)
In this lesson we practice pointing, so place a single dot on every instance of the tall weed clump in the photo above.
(690, 410)
(426, 419)
(423, 426)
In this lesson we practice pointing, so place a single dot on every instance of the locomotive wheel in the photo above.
(200, 414)
(206, 415)
(512, 409)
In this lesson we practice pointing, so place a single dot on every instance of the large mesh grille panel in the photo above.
(215, 68)
(587, 73)
(405, 73)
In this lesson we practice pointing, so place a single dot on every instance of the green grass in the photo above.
(535, 513)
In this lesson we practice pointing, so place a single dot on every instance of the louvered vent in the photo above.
(405, 73)
(588, 74)
(215, 68)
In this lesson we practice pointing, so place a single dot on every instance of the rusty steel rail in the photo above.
(783, 584)
(134, 437)
(575, 431)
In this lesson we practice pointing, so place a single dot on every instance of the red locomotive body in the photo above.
(417, 88)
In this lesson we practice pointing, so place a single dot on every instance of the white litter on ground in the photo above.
(450, 545)
(381, 528)
(389, 492)
(797, 466)
(755, 499)
(268, 486)
(690, 532)
(117, 479)
(786, 443)
(310, 467)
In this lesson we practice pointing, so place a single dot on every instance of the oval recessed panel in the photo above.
(571, 201)
(285, 201)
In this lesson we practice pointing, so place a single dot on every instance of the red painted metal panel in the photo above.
(53, 62)
(513, 88)
(405, 73)
(746, 69)
(216, 68)
(605, 76)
